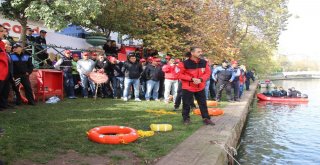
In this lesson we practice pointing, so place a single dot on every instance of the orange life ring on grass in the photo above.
(113, 135)
(212, 103)
(209, 103)
(211, 111)
(22, 95)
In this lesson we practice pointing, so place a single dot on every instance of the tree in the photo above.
(16, 10)
(115, 16)
(57, 14)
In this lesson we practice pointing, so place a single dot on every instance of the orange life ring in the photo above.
(23, 97)
(211, 111)
(212, 103)
(113, 134)
(209, 103)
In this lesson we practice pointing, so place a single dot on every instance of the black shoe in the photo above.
(1, 131)
(175, 108)
(193, 107)
(186, 121)
(31, 103)
(8, 107)
(208, 122)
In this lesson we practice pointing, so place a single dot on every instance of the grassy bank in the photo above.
(41, 133)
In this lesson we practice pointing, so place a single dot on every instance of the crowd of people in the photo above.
(151, 78)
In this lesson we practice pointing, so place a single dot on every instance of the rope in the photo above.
(230, 148)
(161, 112)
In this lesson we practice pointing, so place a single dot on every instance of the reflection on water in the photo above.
(284, 133)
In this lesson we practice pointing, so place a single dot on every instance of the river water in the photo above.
(281, 133)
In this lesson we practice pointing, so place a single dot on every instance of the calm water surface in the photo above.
(282, 133)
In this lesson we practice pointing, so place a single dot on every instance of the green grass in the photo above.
(40, 133)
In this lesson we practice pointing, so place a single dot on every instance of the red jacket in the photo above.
(4, 67)
(194, 69)
(242, 77)
(170, 72)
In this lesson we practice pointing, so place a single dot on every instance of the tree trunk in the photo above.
(23, 35)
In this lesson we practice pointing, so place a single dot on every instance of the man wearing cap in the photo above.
(150, 59)
(41, 41)
(94, 56)
(4, 98)
(30, 39)
(75, 75)
(236, 81)
(65, 64)
(212, 88)
(223, 75)
(29, 36)
(84, 67)
(168, 58)
(153, 73)
(194, 72)
(118, 77)
(132, 70)
(22, 68)
(171, 81)
(143, 81)
(8, 37)
(4, 66)
(102, 66)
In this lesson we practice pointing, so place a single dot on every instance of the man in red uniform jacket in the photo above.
(194, 73)
(4, 65)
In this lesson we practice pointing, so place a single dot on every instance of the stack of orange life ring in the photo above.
(211, 111)
(113, 135)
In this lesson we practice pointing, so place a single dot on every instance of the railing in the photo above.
(35, 50)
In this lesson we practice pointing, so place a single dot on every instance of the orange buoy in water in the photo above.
(211, 111)
(209, 103)
(113, 135)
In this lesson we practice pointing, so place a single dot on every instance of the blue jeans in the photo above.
(84, 82)
(68, 84)
(116, 82)
(241, 90)
(236, 87)
(143, 87)
(207, 89)
(127, 84)
(152, 86)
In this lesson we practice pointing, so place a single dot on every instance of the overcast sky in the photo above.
(303, 35)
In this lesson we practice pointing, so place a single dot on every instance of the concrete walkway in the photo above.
(201, 148)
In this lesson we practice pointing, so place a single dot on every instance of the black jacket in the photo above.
(30, 39)
(66, 64)
(132, 70)
(22, 64)
(250, 75)
(102, 65)
(117, 69)
(153, 73)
